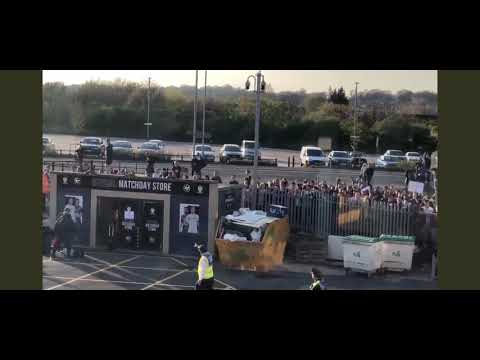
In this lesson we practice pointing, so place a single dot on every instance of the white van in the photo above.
(312, 156)
(248, 150)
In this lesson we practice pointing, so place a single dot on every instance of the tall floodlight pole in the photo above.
(195, 112)
(259, 88)
(203, 123)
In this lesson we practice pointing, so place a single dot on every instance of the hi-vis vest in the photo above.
(315, 284)
(208, 271)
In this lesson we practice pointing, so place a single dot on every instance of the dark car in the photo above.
(230, 152)
(122, 150)
(92, 146)
(358, 159)
(339, 158)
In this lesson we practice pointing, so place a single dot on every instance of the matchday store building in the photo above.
(167, 216)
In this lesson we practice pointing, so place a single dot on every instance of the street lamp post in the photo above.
(148, 123)
(195, 112)
(203, 124)
(259, 83)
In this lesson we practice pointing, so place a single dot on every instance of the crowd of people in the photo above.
(356, 192)
(360, 190)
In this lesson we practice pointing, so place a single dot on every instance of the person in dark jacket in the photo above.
(369, 171)
(177, 170)
(64, 230)
(79, 152)
(197, 165)
(151, 166)
(109, 152)
(319, 282)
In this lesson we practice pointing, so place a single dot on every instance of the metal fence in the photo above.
(324, 214)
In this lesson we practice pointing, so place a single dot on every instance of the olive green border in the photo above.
(459, 206)
(21, 124)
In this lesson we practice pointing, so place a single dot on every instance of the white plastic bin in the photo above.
(362, 254)
(335, 247)
(397, 252)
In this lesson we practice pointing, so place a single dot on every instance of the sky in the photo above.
(280, 80)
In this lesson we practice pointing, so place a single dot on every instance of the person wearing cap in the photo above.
(204, 270)
(318, 280)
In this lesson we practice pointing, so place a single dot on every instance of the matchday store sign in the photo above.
(140, 185)
(135, 185)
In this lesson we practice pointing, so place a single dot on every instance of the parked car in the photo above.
(390, 160)
(152, 149)
(230, 152)
(92, 146)
(160, 143)
(413, 157)
(205, 152)
(48, 146)
(122, 149)
(339, 158)
(358, 159)
(397, 154)
(248, 150)
(312, 156)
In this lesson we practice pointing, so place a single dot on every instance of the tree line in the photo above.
(288, 119)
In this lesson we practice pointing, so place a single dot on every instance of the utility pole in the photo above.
(195, 112)
(355, 120)
(203, 125)
(148, 123)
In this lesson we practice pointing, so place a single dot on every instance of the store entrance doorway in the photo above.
(134, 224)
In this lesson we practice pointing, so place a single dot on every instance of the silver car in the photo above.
(230, 152)
(151, 149)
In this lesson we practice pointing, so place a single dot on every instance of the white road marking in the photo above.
(165, 279)
(178, 261)
(125, 282)
(124, 266)
(225, 284)
(97, 280)
(93, 273)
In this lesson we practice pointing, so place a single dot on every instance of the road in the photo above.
(381, 177)
(67, 142)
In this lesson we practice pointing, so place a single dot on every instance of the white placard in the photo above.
(415, 186)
